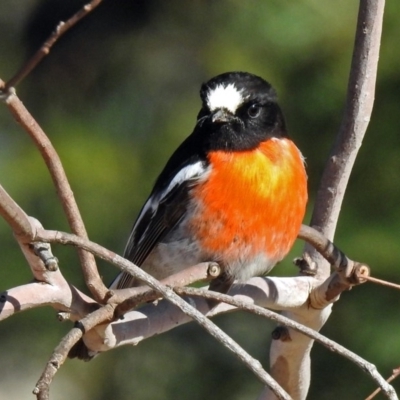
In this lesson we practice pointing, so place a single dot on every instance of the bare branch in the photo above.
(57, 359)
(66, 196)
(49, 288)
(322, 291)
(125, 265)
(330, 344)
(382, 282)
(127, 299)
(352, 271)
(254, 365)
(48, 152)
(395, 374)
(112, 257)
(159, 317)
(321, 294)
(44, 50)
(36, 294)
(294, 375)
(357, 113)
(15, 216)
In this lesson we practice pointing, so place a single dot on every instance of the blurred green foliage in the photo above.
(116, 96)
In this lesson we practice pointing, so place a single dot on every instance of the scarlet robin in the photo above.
(234, 191)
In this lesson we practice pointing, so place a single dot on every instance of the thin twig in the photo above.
(129, 298)
(21, 114)
(48, 152)
(330, 344)
(126, 266)
(65, 194)
(359, 103)
(357, 113)
(395, 374)
(44, 50)
(112, 257)
(348, 268)
(60, 353)
(99, 251)
(382, 282)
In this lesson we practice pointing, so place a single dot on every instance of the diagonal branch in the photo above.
(44, 50)
(15, 216)
(64, 191)
(356, 117)
(395, 374)
(59, 354)
(294, 357)
(50, 156)
(251, 363)
(329, 344)
(57, 359)
(350, 270)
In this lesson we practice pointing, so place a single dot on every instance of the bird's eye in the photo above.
(254, 110)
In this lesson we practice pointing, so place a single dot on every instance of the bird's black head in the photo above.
(239, 111)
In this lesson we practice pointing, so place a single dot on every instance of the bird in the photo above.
(234, 192)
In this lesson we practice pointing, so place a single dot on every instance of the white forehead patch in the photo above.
(228, 97)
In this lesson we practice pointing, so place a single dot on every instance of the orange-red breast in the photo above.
(234, 191)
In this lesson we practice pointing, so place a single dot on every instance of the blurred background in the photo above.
(116, 96)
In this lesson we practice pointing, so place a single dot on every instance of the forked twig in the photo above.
(59, 355)
(206, 323)
(355, 121)
(49, 154)
(330, 344)
(44, 50)
(167, 293)
(353, 271)
(395, 374)
(356, 117)
(64, 191)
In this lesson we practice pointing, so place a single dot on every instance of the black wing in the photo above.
(161, 213)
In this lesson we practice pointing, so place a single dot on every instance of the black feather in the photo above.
(154, 225)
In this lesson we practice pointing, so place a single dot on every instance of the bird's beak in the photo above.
(220, 116)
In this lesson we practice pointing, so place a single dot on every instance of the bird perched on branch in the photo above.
(234, 191)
